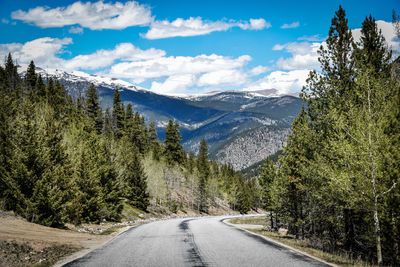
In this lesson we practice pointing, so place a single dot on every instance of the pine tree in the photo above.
(30, 81)
(93, 108)
(153, 140)
(243, 196)
(266, 179)
(13, 80)
(40, 88)
(336, 60)
(172, 146)
(136, 182)
(108, 122)
(204, 172)
(109, 181)
(372, 48)
(118, 114)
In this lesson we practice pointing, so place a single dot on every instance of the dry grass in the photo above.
(301, 245)
(27, 244)
(259, 220)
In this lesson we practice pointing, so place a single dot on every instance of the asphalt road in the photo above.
(204, 241)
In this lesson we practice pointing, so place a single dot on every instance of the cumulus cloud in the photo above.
(254, 24)
(259, 70)
(44, 51)
(170, 66)
(76, 30)
(312, 38)
(222, 78)
(291, 25)
(175, 84)
(104, 58)
(197, 26)
(303, 56)
(100, 15)
(283, 81)
(95, 16)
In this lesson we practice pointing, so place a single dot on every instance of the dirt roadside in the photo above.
(27, 244)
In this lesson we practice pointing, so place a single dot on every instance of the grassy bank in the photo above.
(301, 245)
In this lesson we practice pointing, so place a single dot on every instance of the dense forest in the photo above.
(67, 160)
(337, 182)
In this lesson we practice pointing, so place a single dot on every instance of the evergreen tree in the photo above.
(108, 122)
(191, 162)
(243, 196)
(153, 140)
(93, 108)
(204, 172)
(30, 81)
(13, 80)
(135, 181)
(40, 88)
(372, 48)
(109, 181)
(172, 146)
(118, 114)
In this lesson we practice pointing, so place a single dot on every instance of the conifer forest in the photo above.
(65, 159)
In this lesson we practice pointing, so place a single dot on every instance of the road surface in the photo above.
(204, 241)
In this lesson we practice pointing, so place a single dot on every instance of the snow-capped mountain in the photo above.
(221, 118)
(79, 76)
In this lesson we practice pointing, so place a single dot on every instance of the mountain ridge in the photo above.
(219, 117)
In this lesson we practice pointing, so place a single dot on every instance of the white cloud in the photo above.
(255, 24)
(312, 38)
(95, 16)
(5, 21)
(44, 51)
(222, 78)
(104, 58)
(303, 56)
(170, 66)
(259, 24)
(76, 30)
(183, 28)
(283, 81)
(176, 84)
(278, 47)
(196, 26)
(259, 70)
(291, 25)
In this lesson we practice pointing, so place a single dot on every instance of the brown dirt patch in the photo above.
(27, 244)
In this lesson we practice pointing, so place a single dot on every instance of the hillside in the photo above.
(250, 147)
(218, 117)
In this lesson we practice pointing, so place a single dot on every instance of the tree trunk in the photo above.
(373, 182)
(349, 229)
(272, 220)
(377, 230)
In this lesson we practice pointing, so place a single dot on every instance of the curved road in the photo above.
(204, 241)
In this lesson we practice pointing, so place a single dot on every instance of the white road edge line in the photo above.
(277, 243)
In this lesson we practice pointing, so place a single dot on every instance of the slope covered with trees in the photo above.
(67, 160)
(337, 182)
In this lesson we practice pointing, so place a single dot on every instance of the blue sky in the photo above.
(182, 47)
